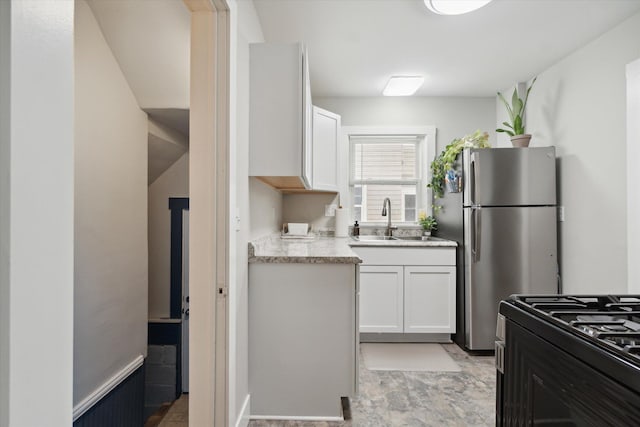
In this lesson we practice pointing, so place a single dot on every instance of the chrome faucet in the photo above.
(386, 202)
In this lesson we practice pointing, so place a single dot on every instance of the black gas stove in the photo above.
(568, 360)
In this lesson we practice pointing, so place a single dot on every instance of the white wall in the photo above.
(453, 117)
(36, 212)
(5, 193)
(166, 146)
(252, 199)
(111, 255)
(159, 78)
(579, 106)
(174, 182)
(310, 208)
(265, 209)
(265, 204)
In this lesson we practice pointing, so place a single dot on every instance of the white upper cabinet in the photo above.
(326, 129)
(280, 116)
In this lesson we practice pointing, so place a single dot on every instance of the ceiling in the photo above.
(151, 42)
(356, 45)
(175, 118)
(151, 39)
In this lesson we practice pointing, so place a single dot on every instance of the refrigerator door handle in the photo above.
(475, 243)
(473, 179)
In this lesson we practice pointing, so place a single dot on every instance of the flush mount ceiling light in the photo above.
(454, 7)
(403, 85)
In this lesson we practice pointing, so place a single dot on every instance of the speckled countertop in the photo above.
(321, 250)
(431, 242)
(324, 250)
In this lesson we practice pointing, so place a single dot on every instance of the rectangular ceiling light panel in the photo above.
(403, 85)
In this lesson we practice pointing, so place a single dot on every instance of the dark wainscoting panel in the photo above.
(122, 407)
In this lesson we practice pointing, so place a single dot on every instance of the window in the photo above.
(410, 208)
(357, 202)
(385, 166)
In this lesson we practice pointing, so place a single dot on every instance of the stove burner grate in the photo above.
(610, 321)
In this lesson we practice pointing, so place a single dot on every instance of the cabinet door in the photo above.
(326, 127)
(280, 115)
(430, 299)
(381, 295)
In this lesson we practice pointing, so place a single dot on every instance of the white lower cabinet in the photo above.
(303, 339)
(407, 298)
(430, 299)
(381, 299)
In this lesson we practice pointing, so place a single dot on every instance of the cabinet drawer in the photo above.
(406, 256)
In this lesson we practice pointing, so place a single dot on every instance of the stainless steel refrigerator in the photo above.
(503, 217)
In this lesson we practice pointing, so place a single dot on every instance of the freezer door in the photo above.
(509, 176)
(508, 250)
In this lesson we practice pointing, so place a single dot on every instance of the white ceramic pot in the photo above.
(521, 141)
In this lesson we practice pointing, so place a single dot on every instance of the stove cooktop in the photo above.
(610, 321)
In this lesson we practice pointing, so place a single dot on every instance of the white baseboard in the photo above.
(295, 418)
(245, 413)
(104, 389)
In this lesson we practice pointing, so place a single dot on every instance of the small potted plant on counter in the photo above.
(428, 224)
(515, 127)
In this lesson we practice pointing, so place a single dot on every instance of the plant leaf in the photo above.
(517, 126)
(527, 95)
(507, 125)
(517, 108)
(505, 131)
(506, 104)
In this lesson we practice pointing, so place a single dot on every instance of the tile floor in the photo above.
(415, 399)
(394, 398)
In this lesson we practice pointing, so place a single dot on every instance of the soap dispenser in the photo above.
(356, 229)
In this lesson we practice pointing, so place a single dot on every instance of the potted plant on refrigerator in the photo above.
(515, 127)
(428, 224)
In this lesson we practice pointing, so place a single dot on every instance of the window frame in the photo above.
(426, 148)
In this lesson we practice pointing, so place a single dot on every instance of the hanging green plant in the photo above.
(444, 161)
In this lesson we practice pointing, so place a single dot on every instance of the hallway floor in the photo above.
(177, 415)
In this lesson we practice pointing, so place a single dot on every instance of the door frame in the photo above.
(184, 300)
(209, 125)
(633, 175)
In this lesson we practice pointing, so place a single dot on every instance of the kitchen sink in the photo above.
(373, 238)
